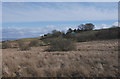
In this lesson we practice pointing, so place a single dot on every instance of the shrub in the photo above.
(111, 33)
(85, 36)
(42, 43)
(47, 40)
(23, 46)
(60, 44)
(37, 43)
(6, 45)
(56, 33)
(34, 43)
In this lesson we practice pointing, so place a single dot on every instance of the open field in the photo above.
(91, 59)
(0, 60)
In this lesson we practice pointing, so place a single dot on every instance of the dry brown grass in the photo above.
(23, 46)
(0, 61)
(91, 59)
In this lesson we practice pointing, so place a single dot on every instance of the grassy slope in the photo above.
(91, 59)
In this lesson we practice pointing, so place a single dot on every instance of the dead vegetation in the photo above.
(6, 45)
(23, 46)
(90, 59)
(61, 44)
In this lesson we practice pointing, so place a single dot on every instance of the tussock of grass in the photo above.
(36, 43)
(23, 46)
(6, 45)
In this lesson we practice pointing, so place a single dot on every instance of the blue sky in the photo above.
(32, 19)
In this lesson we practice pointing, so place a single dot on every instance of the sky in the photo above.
(32, 19)
(60, 0)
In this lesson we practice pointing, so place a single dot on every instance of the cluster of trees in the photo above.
(81, 28)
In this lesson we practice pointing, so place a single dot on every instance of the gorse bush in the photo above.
(47, 41)
(111, 33)
(23, 46)
(61, 44)
(37, 43)
(85, 36)
(34, 43)
(6, 45)
(42, 43)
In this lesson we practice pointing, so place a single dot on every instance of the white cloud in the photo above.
(105, 26)
(115, 24)
(51, 26)
(60, 0)
(24, 32)
(0, 13)
(14, 32)
(102, 26)
(60, 12)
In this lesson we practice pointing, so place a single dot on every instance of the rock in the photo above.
(13, 75)
(99, 66)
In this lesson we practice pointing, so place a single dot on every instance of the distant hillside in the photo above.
(89, 35)
(101, 34)
(5, 39)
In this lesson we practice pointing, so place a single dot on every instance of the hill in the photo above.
(96, 55)
(90, 59)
